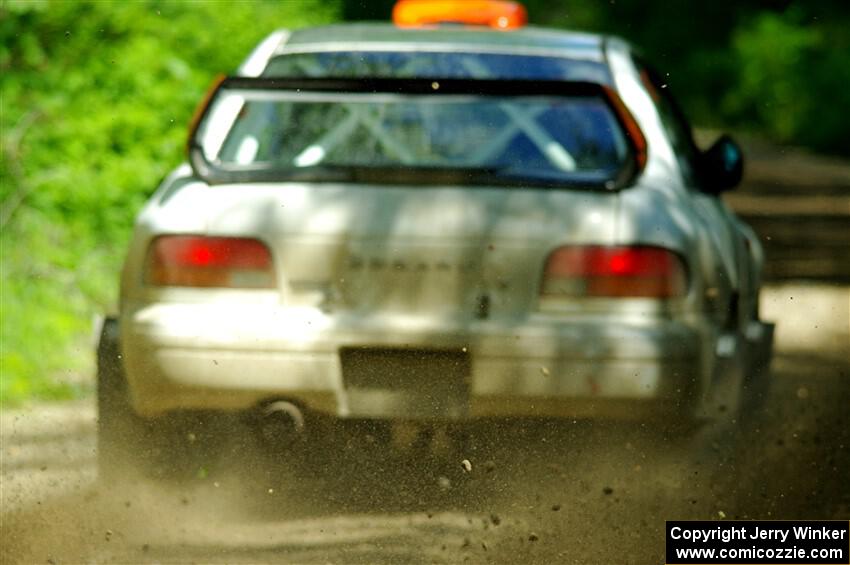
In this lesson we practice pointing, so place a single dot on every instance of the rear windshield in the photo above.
(484, 139)
(423, 64)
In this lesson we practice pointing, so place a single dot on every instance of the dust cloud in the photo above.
(526, 491)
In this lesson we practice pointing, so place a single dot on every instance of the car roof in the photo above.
(384, 36)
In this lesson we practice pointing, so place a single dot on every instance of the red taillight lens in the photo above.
(190, 260)
(619, 272)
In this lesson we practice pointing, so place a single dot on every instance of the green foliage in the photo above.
(95, 101)
(771, 53)
(792, 76)
(762, 66)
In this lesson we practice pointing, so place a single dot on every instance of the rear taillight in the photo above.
(616, 272)
(190, 260)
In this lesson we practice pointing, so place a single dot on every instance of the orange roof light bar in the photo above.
(498, 14)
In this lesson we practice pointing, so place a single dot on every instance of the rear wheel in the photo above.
(122, 436)
(756, 385)
(177, 446)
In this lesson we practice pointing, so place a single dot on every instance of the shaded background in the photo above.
(95, 98)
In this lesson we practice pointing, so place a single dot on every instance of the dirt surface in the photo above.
(799, 205)
(566, 493)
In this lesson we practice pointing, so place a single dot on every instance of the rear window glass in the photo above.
(423, 64)
(491, 138)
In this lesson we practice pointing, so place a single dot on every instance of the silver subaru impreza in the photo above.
(433, 224)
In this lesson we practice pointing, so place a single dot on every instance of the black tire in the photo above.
(757, 382)
(122, 436)
(756, 389)
(175, 447)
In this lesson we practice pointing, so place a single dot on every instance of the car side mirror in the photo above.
(722, 165)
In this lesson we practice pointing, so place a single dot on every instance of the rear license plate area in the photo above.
(406, 383)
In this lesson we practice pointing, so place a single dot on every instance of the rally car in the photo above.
(444, 219)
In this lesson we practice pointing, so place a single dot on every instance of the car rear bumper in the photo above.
(197, 357)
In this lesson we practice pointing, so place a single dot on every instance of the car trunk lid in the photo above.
(467, 252)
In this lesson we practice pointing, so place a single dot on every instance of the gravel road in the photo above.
(575, 493)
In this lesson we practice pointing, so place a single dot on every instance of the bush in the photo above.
(792, 76)
(95, 101)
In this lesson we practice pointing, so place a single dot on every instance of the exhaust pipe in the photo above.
(281, 423)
